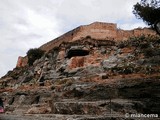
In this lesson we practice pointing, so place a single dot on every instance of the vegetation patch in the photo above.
(34, 54)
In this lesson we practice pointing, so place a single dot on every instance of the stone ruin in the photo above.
(91, 72)
(96, 30)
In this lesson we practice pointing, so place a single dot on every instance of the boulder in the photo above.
(110, 62)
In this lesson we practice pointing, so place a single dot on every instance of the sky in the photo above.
(26, 24)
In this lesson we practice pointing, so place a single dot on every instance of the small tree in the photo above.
(148, 11)
(34, 54)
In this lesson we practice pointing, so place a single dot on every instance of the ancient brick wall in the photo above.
(97, 31)
(22, 61)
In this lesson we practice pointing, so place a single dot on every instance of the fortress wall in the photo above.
(56, 42)
(100, 31)
(97, 30)
(145, 31)
(22, 61)
(124, 34)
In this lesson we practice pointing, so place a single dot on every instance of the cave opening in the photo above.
(77, 52)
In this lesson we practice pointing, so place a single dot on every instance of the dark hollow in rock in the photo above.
(77, 52)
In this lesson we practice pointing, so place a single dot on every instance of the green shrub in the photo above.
(144, 45)
(143, 41)
(150, 52)
(148, 69)
(153, 60)
(34, 54)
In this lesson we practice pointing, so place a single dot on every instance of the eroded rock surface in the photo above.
(87, 79)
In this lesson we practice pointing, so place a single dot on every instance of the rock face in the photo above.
(22, 61)
(97, 31)
(88, 78)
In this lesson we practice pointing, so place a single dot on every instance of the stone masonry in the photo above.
(97, 31)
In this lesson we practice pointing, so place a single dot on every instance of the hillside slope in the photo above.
(87, 79)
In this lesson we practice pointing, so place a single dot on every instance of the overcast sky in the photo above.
(26, 24)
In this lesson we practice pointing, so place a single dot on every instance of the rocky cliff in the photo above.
(97, 31)
(94, 72)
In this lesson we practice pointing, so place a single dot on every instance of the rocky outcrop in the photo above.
(88, 79)
(97, 31)
(22, 61)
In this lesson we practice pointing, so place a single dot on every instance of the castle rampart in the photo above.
(97, 31)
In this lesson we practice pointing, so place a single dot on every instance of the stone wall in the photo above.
(99, 31)
(96, 30)
(22, 61)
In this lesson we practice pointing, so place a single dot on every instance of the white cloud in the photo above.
(24, 26)
(27, 24)
(129, 26)
(96, 10)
